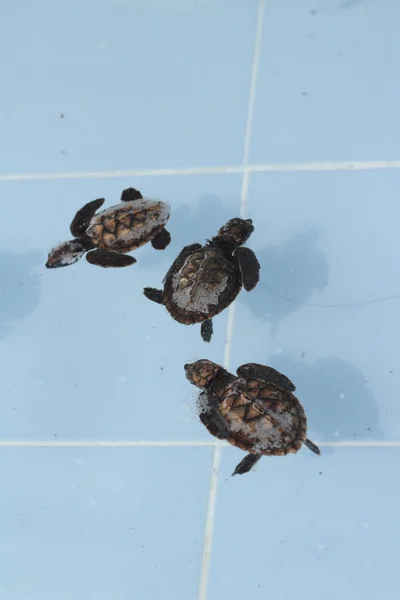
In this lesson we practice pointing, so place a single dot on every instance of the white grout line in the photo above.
(168, 444)
(327, 166)
(212, 495)
(253, 82)
(125, 173)
(228, 339)
(101, 444)
(360, 444)
(244, 193)
(222, 170)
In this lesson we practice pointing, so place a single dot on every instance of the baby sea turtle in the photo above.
(107, 236)
(204, 280)
(255, 411)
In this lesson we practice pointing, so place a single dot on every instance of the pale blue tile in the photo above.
(326, 310)
(139, 84)
(86, 354)
(308, 527)
(102, 523)
(327, 90)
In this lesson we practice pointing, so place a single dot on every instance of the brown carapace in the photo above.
(204, 280)
(106, 237)
(255, 411)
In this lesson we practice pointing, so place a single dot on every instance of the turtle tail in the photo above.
(312, 446)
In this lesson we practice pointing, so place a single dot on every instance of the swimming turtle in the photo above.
(204, 280)
(255, 411)
(107, 236)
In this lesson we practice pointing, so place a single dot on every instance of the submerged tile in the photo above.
(102, 523)
(122, 85)
(307, 525)
(324, 93)
(326, 309)
(85, 354)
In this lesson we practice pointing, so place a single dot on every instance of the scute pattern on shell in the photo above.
(262, 418)
(205, 284)
(128, 225)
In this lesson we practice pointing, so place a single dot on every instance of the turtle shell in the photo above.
(201, 285)
(263, 418)
(128, 225)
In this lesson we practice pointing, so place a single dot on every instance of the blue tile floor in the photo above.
(283, 112)
(102, 523)
(308, 527)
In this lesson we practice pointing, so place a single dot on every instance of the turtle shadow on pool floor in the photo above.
(21, 289)
(350, 4)
(335, 395)
(289, 275)
(191, 223)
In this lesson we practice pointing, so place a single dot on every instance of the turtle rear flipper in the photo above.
(206, 330)
(130, 194)
(83, 217)
(162, 240)
(154, 295)
(249, 267)
(103, 258)
(246, 464)
(312, 446)
(266, 374)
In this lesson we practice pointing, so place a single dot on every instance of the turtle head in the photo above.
(236, 232)
(66, 254)
(202, 372)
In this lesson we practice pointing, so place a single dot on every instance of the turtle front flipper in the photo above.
(207, 330)
(249, 267)
(83, 217)
(312, 446)
(154, 295)
(186, 250)
(67, 253)
(246, 464)
(162, 240)
(103, 258)
(267, 374)
(130, 194)
(211, 417)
